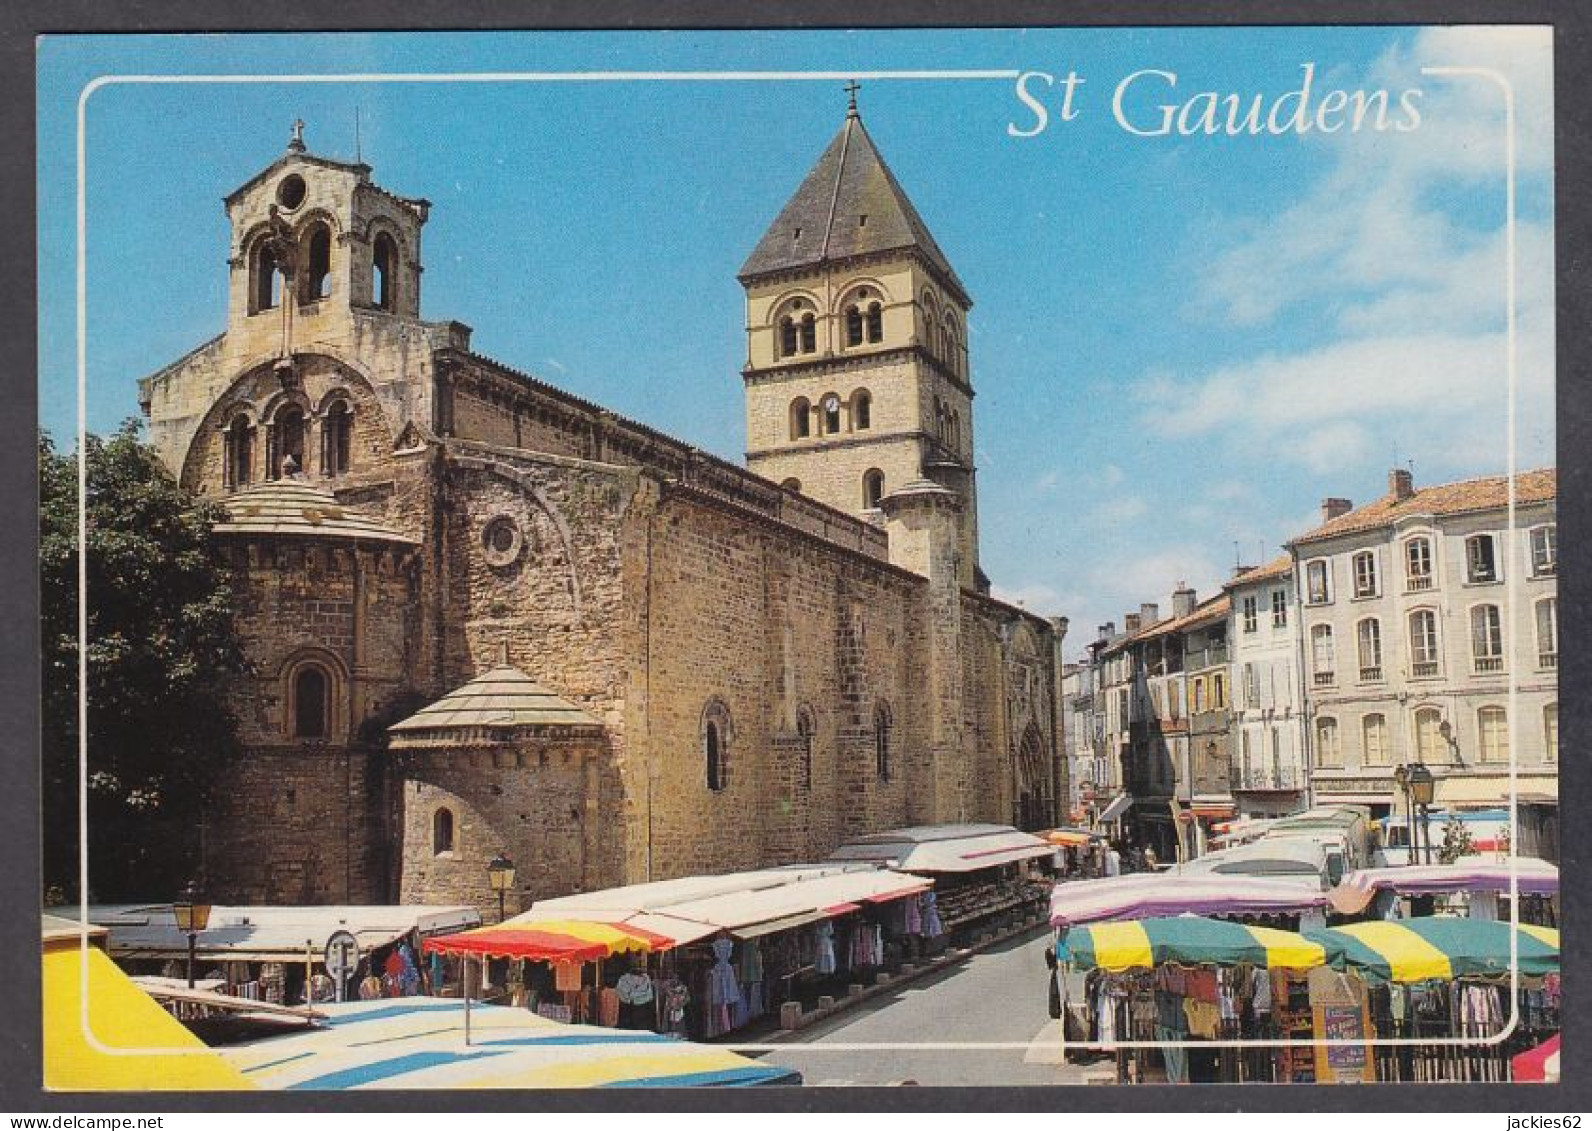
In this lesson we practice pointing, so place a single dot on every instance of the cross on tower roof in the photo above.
(851, 97)
(296, 142)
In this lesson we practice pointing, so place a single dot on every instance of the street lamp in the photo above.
(192, 913)
(1422, 787)
(500, 872)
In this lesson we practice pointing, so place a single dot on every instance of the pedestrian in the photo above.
(1150, 862)
(1113, 861)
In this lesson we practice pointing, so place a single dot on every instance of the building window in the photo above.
(1429, 741)
(311, 702)
(1365, 574)
(875, 322)
(872, 489)
(806, 728)
(442, 831)
(1418, 564)
(716, 745)
(1321, 657)
(1481, 559)
(1493, 725)
(1251, 686)
(830, 411)
(801, 419)
(1251, 614)
(337, 434)
(1199, 697)
(1369, 633)
(318, 268)
(1279, 608)
(1544, 551)
(1328, 753)
(882, 726)
(1373, 738)
(1548, 632)
(861, 411)
(267, 277)
(287, 442)
(1486, 639)
(1424, 656)
(853, 325)
(238, 445)
(1318, 590)
(1218, 691)
(1550, 732)
(385, 261)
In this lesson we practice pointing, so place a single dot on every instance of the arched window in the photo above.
(801, 419)
(1322, 662)
(882, 726)
(830, 413)
(1424, 655)
(337, 433)
(1550, 732)
(872, 488)
(789, 338)
(1418, 564)
(239, 451)
(1369, 632)
(1487, 639)
(1328, 752)
(267, 277)
(809, 329)
(854, 328)
(806, 728)
(715, 732)
(318, 266)
(1493, 726)
(311, 702)
(442, 831)
(874, 317)
(861, 410)
(384, 286)
(1547, 611)
(287, 434)
(1373, 740)
(1429, 743)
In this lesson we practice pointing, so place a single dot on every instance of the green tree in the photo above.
(161, 646)
(1457, 841)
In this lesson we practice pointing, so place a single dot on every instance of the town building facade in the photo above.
(484, 615)
(1429, 633)
(1271, 776)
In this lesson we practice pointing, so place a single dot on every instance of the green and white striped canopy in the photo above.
(1418, 950)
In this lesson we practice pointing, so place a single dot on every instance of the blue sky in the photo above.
(1178, 343)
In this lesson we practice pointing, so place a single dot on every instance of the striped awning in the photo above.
(1440, 947)
(550, 940)
(1143, 944)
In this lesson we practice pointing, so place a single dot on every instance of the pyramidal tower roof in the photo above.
(850, 204)
(499, 699)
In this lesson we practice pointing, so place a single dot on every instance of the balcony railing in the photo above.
(1419, 584)
(1547, 659)
(1325, 679)
(1261, 777)
(1486, 664)
(1371, 675)
(1423, 671)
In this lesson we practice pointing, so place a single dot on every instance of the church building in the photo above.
(484, 615)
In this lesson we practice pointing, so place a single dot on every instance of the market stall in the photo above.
(415, 1043)
(1146, 895)
(1451, 984)
(1172, 986)
(1478, 885)
(984, 875)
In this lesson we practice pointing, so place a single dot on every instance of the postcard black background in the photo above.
(20, 1070)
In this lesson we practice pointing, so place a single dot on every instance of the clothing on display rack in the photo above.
(933, 928)
(824, 958)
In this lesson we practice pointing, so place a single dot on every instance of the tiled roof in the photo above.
(503, 697)
(825, 219)
(1214, 608)
(298, 508)
(1465, 496)
(1277, 567)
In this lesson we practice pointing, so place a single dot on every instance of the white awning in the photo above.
(946, 848)
(1119, 805)
(269, 934)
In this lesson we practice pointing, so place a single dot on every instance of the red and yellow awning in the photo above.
(549, 940)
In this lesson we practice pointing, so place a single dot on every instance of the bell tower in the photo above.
(857, 381)
(313, 240)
